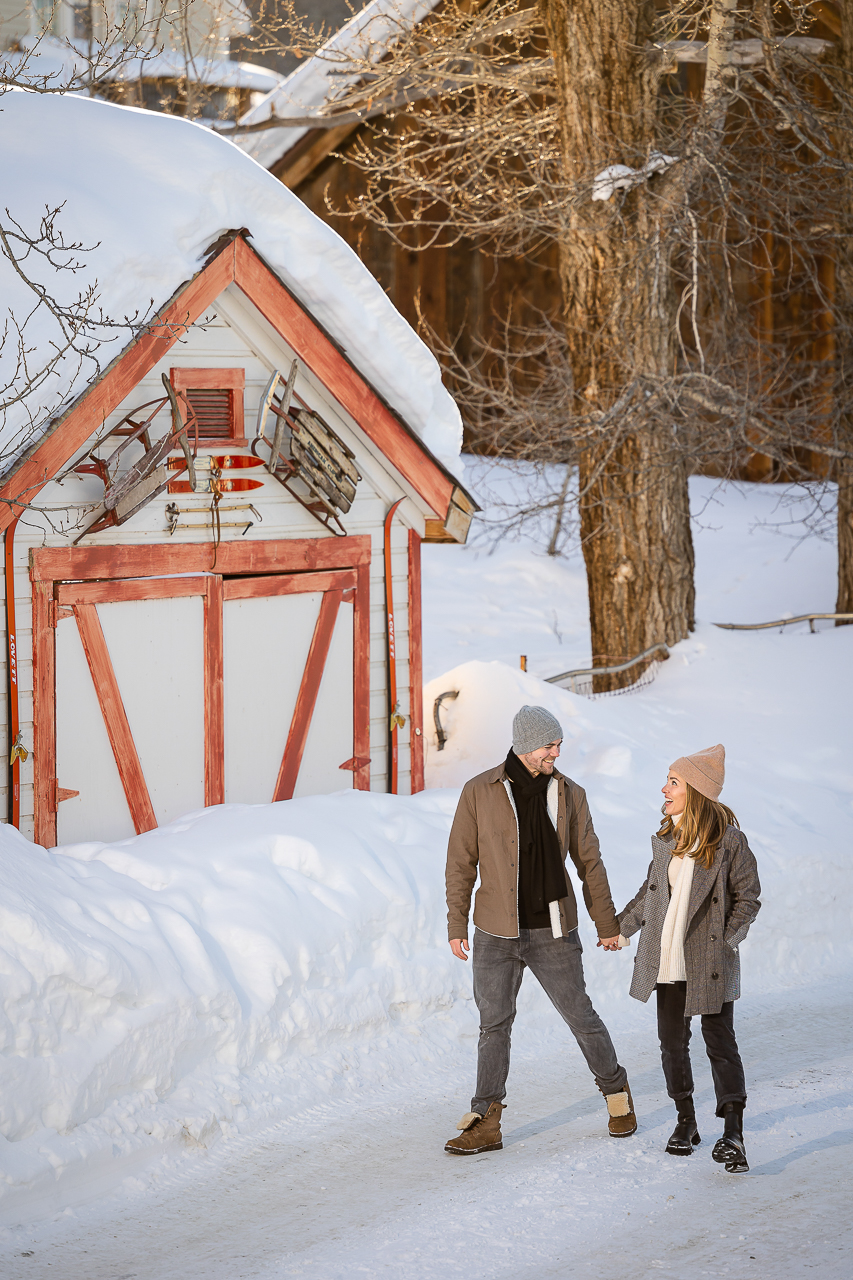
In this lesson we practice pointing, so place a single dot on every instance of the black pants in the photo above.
(718, 1032)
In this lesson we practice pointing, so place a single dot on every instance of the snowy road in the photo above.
(366, 1190)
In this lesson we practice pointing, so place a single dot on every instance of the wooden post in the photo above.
(214, 695)
(416, 686)
(44, 715)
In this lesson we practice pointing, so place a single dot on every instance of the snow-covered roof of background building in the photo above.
(151, 192)
(68, 65)
(320, 78)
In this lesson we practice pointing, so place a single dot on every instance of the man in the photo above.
(517, 823)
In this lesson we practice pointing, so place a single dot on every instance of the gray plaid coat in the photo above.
(723, 904)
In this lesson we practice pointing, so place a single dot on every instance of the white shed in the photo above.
(207, 537)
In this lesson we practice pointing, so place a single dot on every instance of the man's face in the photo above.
(543, 759)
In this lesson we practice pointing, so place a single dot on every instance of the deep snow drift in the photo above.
(163, 989)
(145, 195)
(167, 996)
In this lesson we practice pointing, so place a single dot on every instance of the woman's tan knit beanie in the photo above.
(705, 770)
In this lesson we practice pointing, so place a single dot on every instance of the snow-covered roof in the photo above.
(68, 65)
(320, 78)
(151, 192)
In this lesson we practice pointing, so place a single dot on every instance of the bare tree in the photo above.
(167, 55)
(95, 59)
(523, 128)
(51, 335)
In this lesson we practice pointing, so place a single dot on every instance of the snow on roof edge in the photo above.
(64, 411)
(309, 87)
(151, 192)
(48, 55)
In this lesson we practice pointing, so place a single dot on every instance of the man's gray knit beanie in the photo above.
(534, 727)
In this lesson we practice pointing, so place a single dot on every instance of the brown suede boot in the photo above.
(479, 1133)
(622, 1121)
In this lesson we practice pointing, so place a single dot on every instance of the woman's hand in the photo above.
(609, 944)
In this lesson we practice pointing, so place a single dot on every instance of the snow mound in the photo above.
(161, 988)
(792, 790)
(148, 194)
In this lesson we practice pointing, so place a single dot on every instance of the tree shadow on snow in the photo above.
(841, 1138)
(760, 1120)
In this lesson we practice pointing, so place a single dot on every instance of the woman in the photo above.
(694, 909)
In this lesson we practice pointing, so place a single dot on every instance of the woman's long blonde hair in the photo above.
(703, 825)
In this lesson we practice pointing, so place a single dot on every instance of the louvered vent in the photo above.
(212, 407)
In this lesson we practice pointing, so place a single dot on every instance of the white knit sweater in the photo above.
(672, 967)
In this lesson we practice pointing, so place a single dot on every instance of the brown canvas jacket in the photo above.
(484, 837)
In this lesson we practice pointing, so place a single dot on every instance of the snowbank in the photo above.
(242, 962)
(148, 193)
(792, 792)
(249, 963)
(781, 702)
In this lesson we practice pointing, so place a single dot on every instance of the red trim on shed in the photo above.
(115, 718)
(416, 670)
(306, 699)
(214, 693)
(339, 567)
(291, 555)
(44, 715)
(237, 263)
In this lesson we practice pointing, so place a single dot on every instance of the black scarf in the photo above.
(542, 875)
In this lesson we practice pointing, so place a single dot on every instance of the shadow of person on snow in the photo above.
(590, 1106)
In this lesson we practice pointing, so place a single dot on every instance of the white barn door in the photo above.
(139, 662)
(164, 692)
(288, 686)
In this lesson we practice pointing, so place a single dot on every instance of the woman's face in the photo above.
(675, 793)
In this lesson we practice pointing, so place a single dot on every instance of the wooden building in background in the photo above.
(463, 294)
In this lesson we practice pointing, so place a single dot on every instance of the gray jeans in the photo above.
(499, 965)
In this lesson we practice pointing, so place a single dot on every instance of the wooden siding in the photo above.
(233, 334)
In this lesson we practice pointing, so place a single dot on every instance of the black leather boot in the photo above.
(685, 1135)
(730, 1150)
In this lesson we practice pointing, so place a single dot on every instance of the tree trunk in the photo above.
(844, 603)
(620, 322)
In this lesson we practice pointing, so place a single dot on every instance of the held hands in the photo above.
(459, 946)
(609, 944)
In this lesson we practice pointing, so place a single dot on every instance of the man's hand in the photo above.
(609, 944)
(459, 946)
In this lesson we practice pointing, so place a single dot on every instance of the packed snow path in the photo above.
(367, 1190)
